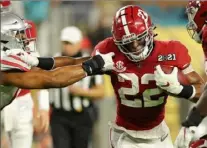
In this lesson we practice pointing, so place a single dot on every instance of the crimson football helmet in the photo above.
(5, 5)
(197, 18)
(130, 24)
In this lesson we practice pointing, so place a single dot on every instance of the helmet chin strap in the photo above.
(141, 56)
(145, 53)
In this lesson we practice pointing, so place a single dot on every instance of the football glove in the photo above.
(168, 82)
(99, 63)
(185, 137)
(24, 56)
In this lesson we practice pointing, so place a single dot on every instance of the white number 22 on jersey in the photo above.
(134, 90)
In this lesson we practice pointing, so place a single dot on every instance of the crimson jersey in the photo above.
(204, 41)
(140, 104)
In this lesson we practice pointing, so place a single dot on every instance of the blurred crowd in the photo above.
(94, 18)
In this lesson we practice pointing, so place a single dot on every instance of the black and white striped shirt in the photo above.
(62, 98)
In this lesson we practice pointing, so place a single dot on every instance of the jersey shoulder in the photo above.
(170, 46)
(173, 53)
(105, 46)
(12, 62)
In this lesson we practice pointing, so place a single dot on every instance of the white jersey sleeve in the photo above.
(12, 62)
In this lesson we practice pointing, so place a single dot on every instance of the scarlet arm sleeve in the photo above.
(183, 58)
(101, 47)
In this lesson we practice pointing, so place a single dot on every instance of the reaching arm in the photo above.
(65, 61)
(59, 77)
(41, 79)
(46, 63)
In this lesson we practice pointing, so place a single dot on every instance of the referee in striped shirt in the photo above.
(73, 111)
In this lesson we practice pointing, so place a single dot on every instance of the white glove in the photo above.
(185, 137)
(109, 64)
(24, 56)
(168, 82)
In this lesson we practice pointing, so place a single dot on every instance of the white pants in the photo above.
(18, 122)
(120, 138)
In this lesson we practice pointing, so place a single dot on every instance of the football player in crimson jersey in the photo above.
(194, 127)
(139, 83)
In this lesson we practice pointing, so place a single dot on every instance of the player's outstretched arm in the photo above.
(41, 79)
(65, 61)
(46, 63)
(59, 77)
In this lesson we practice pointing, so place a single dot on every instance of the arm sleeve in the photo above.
(100, 47)
(12, 62)
(183, 58)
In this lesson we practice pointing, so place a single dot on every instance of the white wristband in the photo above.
(43, 100)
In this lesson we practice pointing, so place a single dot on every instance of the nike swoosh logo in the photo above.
(168, 84)
(163, 138)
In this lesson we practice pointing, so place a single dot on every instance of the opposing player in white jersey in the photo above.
(15, 61)
(21, 115)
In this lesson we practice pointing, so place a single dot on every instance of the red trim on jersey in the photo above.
(16, 58)
(23, 92)
(198, 143)
(14, 65)
(16, 93)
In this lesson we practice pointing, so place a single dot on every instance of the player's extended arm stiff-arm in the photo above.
(46, 63)
(65, 61)
(59, 77)
(42, 79)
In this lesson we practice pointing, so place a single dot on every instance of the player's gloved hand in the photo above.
(24, 56)
(168, 82)
(108, 61)
(98, 64)
(185, 137)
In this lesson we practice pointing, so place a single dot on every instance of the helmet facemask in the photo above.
(143, 49)
(192, 27)
(14, 26)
